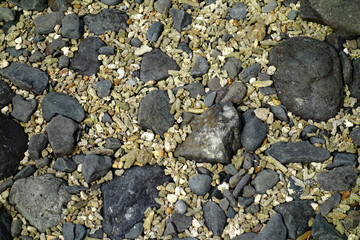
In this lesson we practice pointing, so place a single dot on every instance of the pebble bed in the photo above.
(206, 38)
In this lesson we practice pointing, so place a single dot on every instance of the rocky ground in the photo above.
(179, 119)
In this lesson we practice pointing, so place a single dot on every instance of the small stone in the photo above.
(230, 213)
(238, 12)
(215, 218)
(252, 208)
(270, 6)
(355, 135)
(162, 5)
(112, 143)
(80, 232)
(16, 227)
(241, 184)
(230, 169)
(64, 165)
(72, 26)
(200, 184)
(7, 14)
(106, 118)
(68, 231)
(181, 19)
(154, 31)
(249, 72)
(227, 194)
(280, 113)
(180, 207)
(234, 93)
(63, 61)
(292, 14)
(265, 180)
(352, 220)
(135, 231)
(185, 47)
(267, 91)
(22, 108)
(248, 191)
(322, 230)
(5, 223)
(245, 202)
(329, 204)
(253, 134)
(109, 19)
(103, 88)
(342, 159)
(200, 68)
(347, 68)
(135, 42)
(233, 67)
(214, 84)
(44, 24)
(224, 204)
(295, 187)
(274, 229)
(25, 172)
(76, 189)
(111, 2)
(339, 179)
(42, 162)
(95, 166)
(209, 98)
(107, 50)
(233, 181)
(6, 184)
(37, 56)
(180, 221)
(308, 129)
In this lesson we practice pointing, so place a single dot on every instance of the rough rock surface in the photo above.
(5, 94)
(234, 93)
(274, 229)
(128, 196)
(308, 77)
(215, 135)
(322, 230)
(109, 19)
(95, 166)
(215, 218)
(338, 179)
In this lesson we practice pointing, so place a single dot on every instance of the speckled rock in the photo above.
(109, 19)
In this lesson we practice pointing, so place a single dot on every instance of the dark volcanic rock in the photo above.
(155, 66)
(22, 108)
(85, 61)
(154, 31)
(37, 143)
(329, 204)
(26, 77)
(215, 135)
(296, 215)
(13, 145)
(25, 172)
(234, 93)
(253, 134)
(154, 112)
(308, 77)
(295, 187)
(274, 229)
(181, 19)
(109, 19)
(354, 86)
(5, 94)
(40, 200)
(347, 68)
(200, 68)
(95, 166)
(44, 24)
(352, 220)
(200, 184)
(59, 103)
(215, 218)
(232, 67)
(64, 165)
(72, 26)
(265, 180)
(342, 159)
(37, 5)
(322, 230)
(5, 225)
(128, 196)
(338, 179)
(181, 222)
(302, 152)
(193, 88)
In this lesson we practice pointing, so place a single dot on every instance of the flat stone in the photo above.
(209, 98)
(25, 172)
(339, 179)
(155, 66)
(233, 67)
(42, 162)
(162, 5)
(238, 12)
(253, 134)
(7, 14)
(265, 180)
(241, 184)
(63, 62)
(245, 236)
(37, 56)
(72, 26)
(329, 204)
(274, 229)
(55, 46)
(215, 135)
(95, 166)
(135, 42)
(200, 184)
(112, 143)
(322, 230)
(305, 70)
(234, 93)
(135, 231)
(352, 220)
(267, 90)
(6, 94)
(228, 195)
(59, 5)
(181, 19)
(103, 88)
(297, 152)
(180, 221)
(252, 208)
(215, 218)
(342, 159)
(154, 31)
(111, 2)
(214, 84)
(248, 191)
(22, 108)
(109, 19)
(64, 165)
(6, 184)
(59, 103)
(128, 196)
(40, 200)
(280, 112)
(200, 68)
(26, 77)
(44, 24)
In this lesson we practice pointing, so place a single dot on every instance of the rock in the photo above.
(72, 26)
(355, 135)
(194, 89)
(280, 113)
(135, 231)
(274, 229)
(109, 19)
(215, 218)
(347, 69)
(215, 135)
(233, 67)
(37, 56)
(296, 215)
(103, 88)
(209, 98)
(162, 5)
(301, 152)
(6, 184)
(265, 180)
(352, 220)
(135, 42)
(40, 200)
(228, 195)
(241, 184)
(224, 204)
(44, 24)
(308, 129)
(112, 143)
(270, 6)
(63, 62)
(59, 5)
(60, 131)
(329, 204)
(135, 192)
(64, 165)
(250, 72)
(305, 70)
(230, 169)
(354, 86)
(15, 227)
(95, 166)
(322, 230)
(54, 46)
(26, 77)
(180, 207)
(245, 236)
(5, 225)
(107, 50)
(14, 144)
(37, 143)
(234, 93)
(7, 14)
(253, 134)
(342, 159)
(6, 94)
(111, 2)
(154, 31)
(295, 187)
(336, 41)
(200, 68)
(292, 14)
(339, 179)
(181, 222)
(233, 181)
(59, 103)
(267, 91)
(42, 162)
(155, 66)
(238, 12)
(200, 184)
(248, 191)
(76, 189)
(37, 5)
(13, 52)
(68, 231)
(25, 172)
(181, 19)
(22, 108)
(214, 84)
(85, 61)
(154, 112)
(185, 47)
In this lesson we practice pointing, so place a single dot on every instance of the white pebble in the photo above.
(172, 198)
(271, 70)
(121, 73)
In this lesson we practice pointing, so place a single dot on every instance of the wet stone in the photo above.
(200, 184)
(63, 61)
(200, 68)
(265, 180)
(338, 179)
(95, 166)
(22, 108)
(45, 24)
(72, 26)
(103, 88)
(135, 42)
(329, 204)
(109, 19)
(6, 95)
(154, 31)
(238, 12)
(215, 218)
(322, 230)
(64, 165)
(181, 19)
(253, 134)
(25, 172)
(280, 113)
(234, 93)
(250, 72)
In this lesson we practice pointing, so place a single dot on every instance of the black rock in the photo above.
(280, 113)
(215, 218)
(193, 88)
(238, 12)
(42, 162)
(296, 215)
(7, 14)
(103, 88)
(352, 220)
(336, 41)
(200, 68)
(228, 195)
(234, 179)
(109, 19)
(354, 86)
(250, 72)
(308, 77)
(252, 208)
(245, 202)
(295, 187)
(162, 5)
(25, 172)
(128, 196)
(339, 179)
(85, 61)
(112, 143)
(154, 31)
(200, 184)
(72, 26)
(107, 50)
(265, 180)
(233, 67)
(253, 134)
(6, 184)
(22, 108)
(320, 140)
(40, 200)
(181, 19)
(13, 52)
(64, 165)
(6, 94)
(54, 46)
(245, 236)
(241, 184)
(274, 229)
(135, 231)
(301, 152)
(181, 222)
(5, 225)
(60, 131)
(329, 204)
(37, 56)
(26, 77)
(234, 93)
(355, 135)
(79, 158)
(37, 5)
(59, 103)
(14, 144)
(44, 24)
(215, 135)
(347, 68)
(95, 166)
(248, 191)
(155, 66)
(308, 129)
(73, 231)
(342, 159)
(107, 118)
(322, 230)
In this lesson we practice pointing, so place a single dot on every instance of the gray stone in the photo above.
(135, 42)
(40, 200)
(25, 172)
(292, 14)
(322, 230)
(6, 94)
(215, 135)
(6, 184)
(265, 180)
(162, 5)
(64, 165)
(233, 181)
(200, 68)
(80, 232)
(238, 12)
(107, 50)
(109, 19)
(13, 52)
(214, 84)
(42, 162)
(352, 220)
(22, 108)
(154, 31)
(7, 14)
(60, 131)
(308, 77)
(308, 129)
(339, 179)
(68, 231)
(180, 207)
(37, 56)
(5, 225)
(185, 47)
(26, 77)
(347, 69)
(127, 197)
(63, 61)
(270, 6)
(248, 191)
(300, 152)
(59, 103)
(103, 88)
(354, 86)
(209, 98)
(44, 24)
(267, 90)
(253, 134)
(329, 204)
(249, 72)
(111, 2)
(295, 187)
(234, 93)
(241, 184)
(200, 184)
(215, 218)
(181, 19)
(355, 135)
(107, 118)
(72, 26)
(55, 46)
(317, 140)
(280, 112)
(224, 204)
(16, 227)
(95, 166)
(230, 169)
(112, 143)
(59, 5)
(14, 144)
(342, 159)
(252, 208)
(228, 195)
(38, 5)
(155, 66)
(245, 202)
(78, 158)
(135, 231)
(336, 41)
(274, 229)
(246, 236)
(194, 89)
(233, 67)
(76, 189)
(181, 222)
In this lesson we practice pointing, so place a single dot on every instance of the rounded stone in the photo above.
(200, 184)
